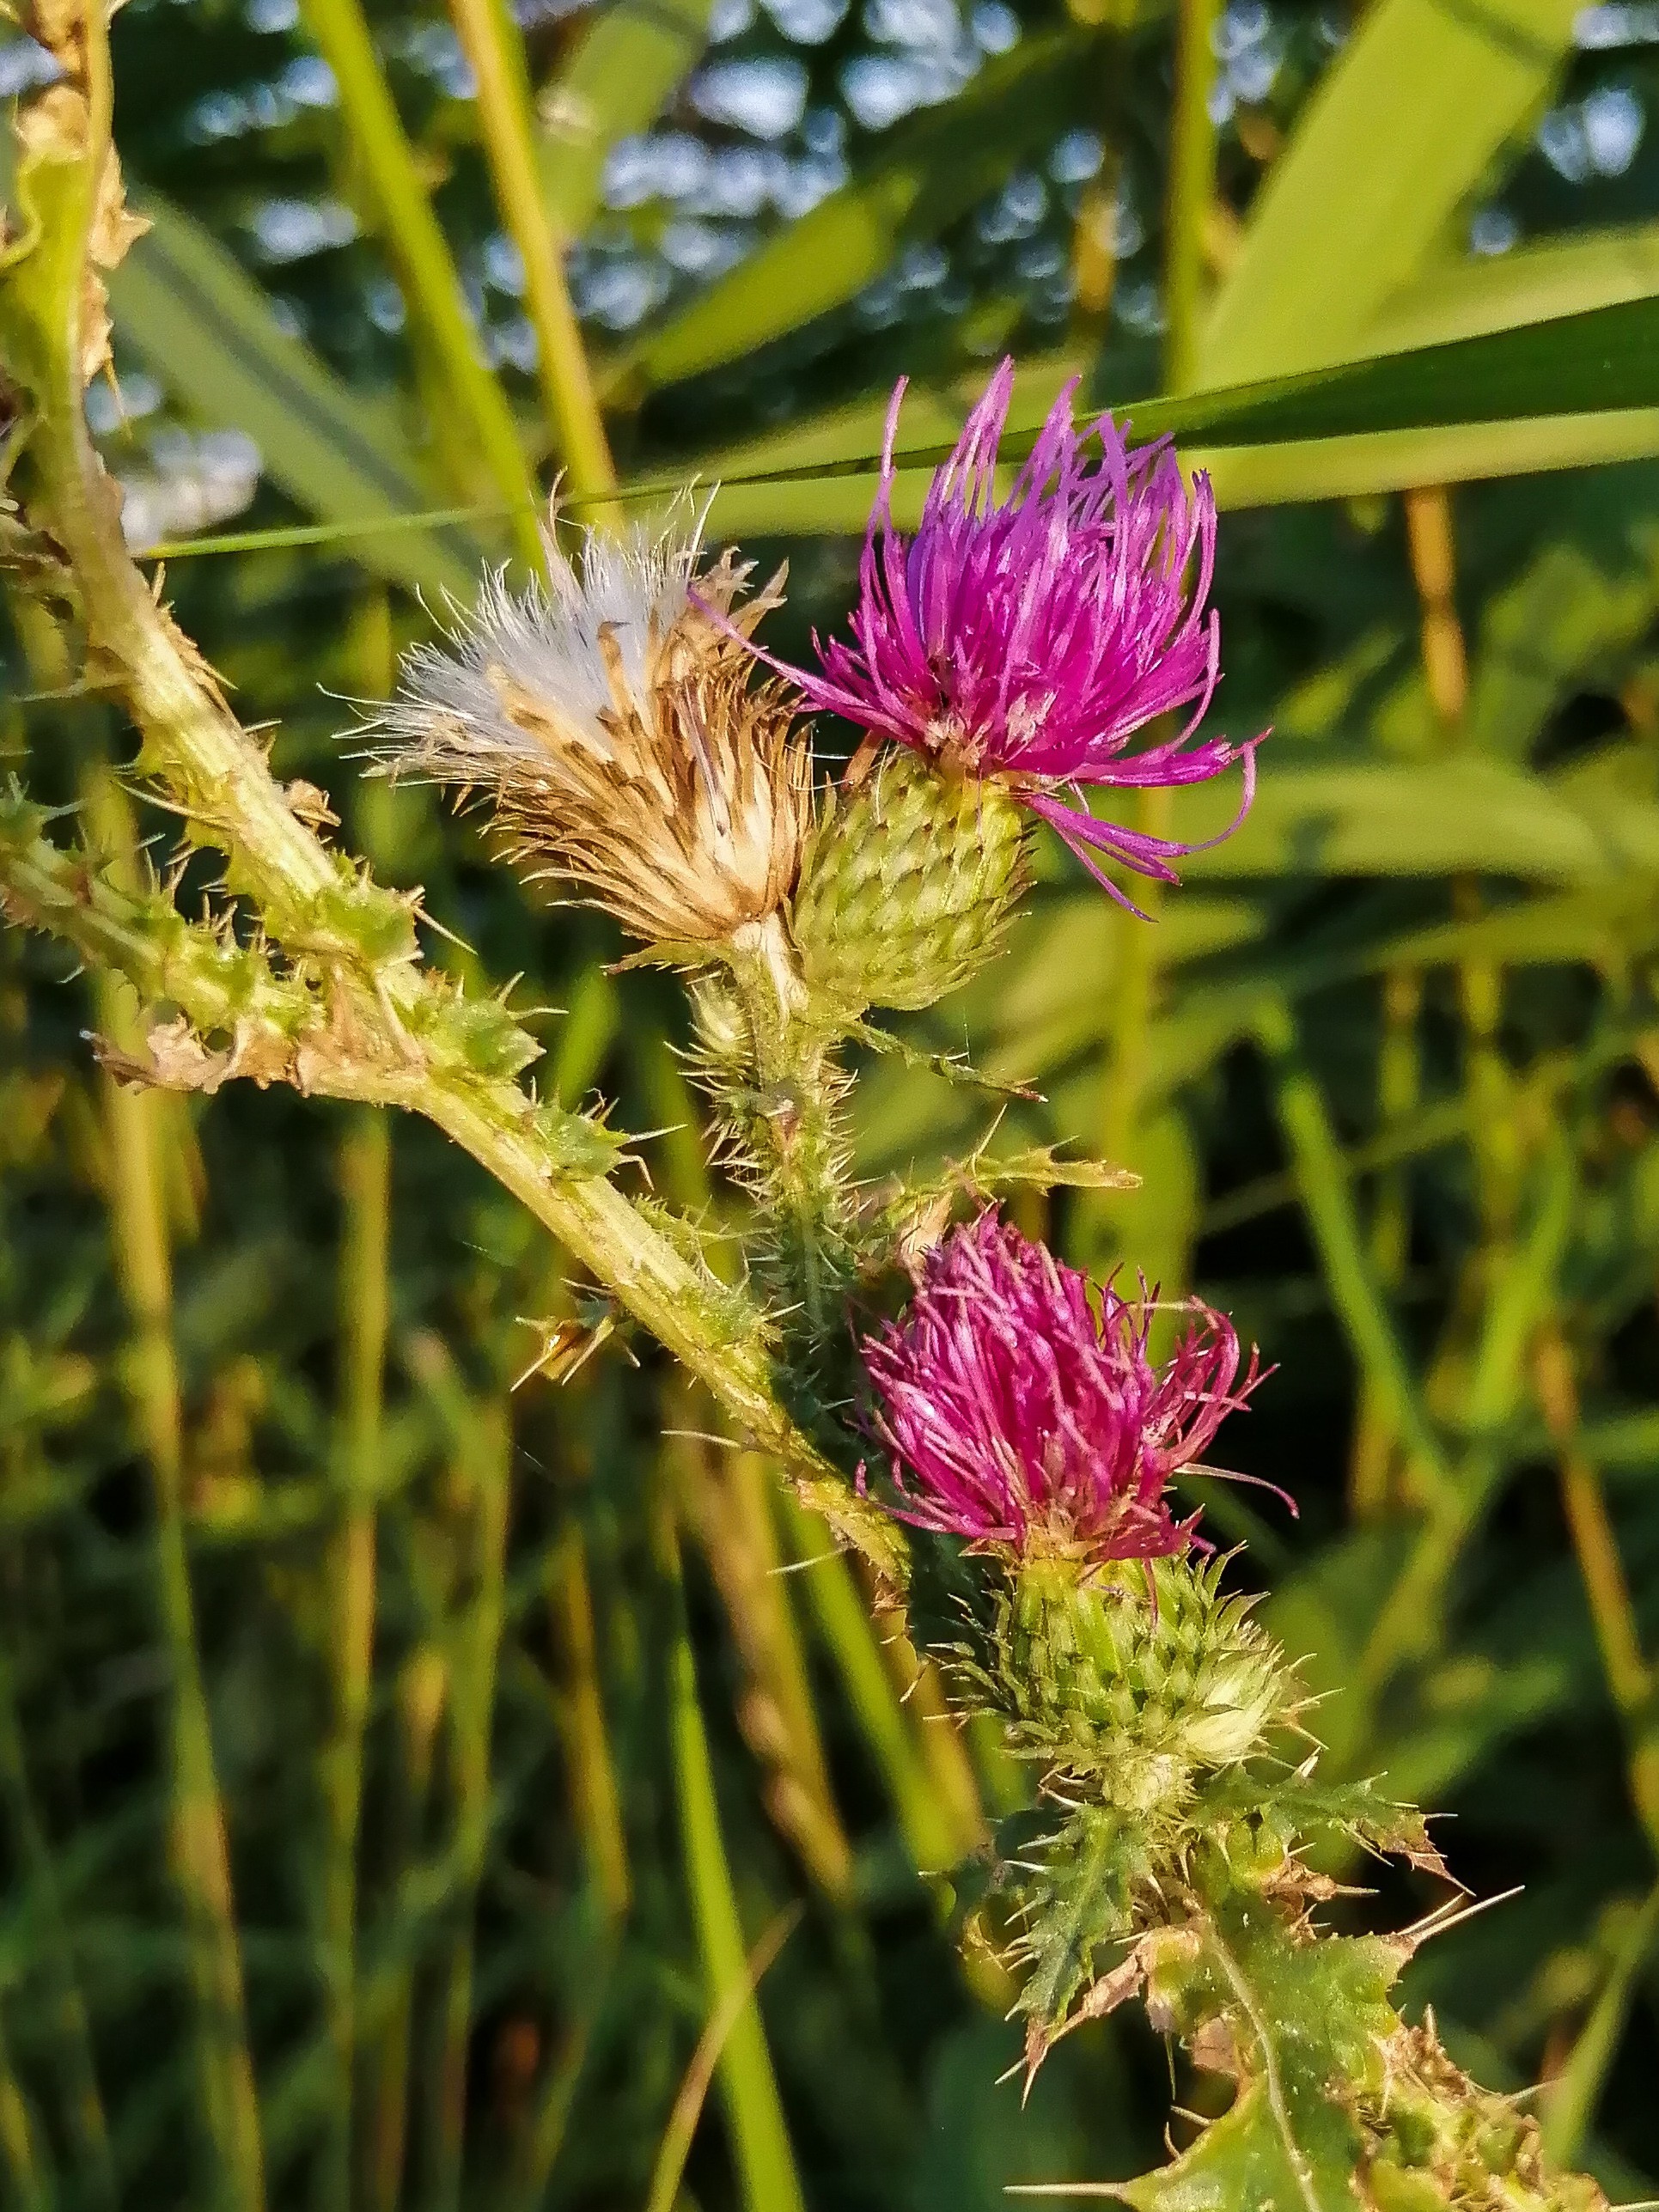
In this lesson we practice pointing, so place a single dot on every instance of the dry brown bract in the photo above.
(613, 725)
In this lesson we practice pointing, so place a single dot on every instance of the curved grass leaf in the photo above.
(1399, 133)
(621, 74)
(1531, 283)
(928, 172)
(207, 333)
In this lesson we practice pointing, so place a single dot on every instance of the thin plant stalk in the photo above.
(930, 1832)
(402, 203)
(544, 2134)
(1602, 1570)
(72, 2051)
(495, 46)
(365, 1171)
(732, 1512)
(1570, 2106)
(24, 2172)
(1192, 189)
(761, 2151)
(672, 2152)
(1316, 1160)
(596, 1800)
(1133, 1000)
(1400, 1092)
(199, 1841)
(423, 1686)
(484, 1463)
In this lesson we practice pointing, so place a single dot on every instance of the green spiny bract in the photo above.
(907, 886)
(1135, 1679)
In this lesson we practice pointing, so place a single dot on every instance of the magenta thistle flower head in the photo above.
(1021, 1409)
(1031, 640)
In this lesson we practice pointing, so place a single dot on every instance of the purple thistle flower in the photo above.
(1019, 1410)
(1032, 639)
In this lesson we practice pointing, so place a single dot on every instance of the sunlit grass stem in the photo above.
(27, 2182)
(482, 1445)
(596, 1800)
(73, 2062)
(1192, 188)
(198, 1837)
(365, 1155)
(761, 2150)
(402, 207)
(495, 46)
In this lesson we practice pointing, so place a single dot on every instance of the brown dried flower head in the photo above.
(615, 728)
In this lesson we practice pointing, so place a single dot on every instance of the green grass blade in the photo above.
(410, 230)
(1499, 291)
(620, 74)
(495, 46)
(207, 333)
(928, 172)
(760, 2135)
(1402, 131)
(365, 1166)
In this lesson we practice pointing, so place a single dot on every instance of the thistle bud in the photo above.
(1140, 1678)
(907, 886)
(611, 723)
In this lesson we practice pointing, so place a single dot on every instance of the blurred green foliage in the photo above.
(327, 1509)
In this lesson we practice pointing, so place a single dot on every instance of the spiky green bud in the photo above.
(907, 886)
(1139, 1677)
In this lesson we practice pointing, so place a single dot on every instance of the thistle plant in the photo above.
(1008, 1452)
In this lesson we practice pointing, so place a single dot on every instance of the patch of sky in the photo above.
(1493, 231)
(881, 88)
(616, 292)
(1596, 137)
(995, 26)
(197, 479)
(705, 250)
(293, 229)
(1138, 308)
(1076, 158)
(109, 409)
(808, 22)
(766, 96)
(272, 16)
(1016, 210)
(921, 268)
(385, 306)
(434, 50)
(824, 131)
(502, 265)
(23, 66)
(730, 19)
(1618, 24)
(309, 82)
(512, 345)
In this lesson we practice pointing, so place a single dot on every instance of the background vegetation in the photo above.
(328, 1502)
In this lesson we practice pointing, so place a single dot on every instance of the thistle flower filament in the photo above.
(1030, 641)
(1021, 1411)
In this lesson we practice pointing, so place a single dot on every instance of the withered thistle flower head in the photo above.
(1023, 1410)
(609, 720)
